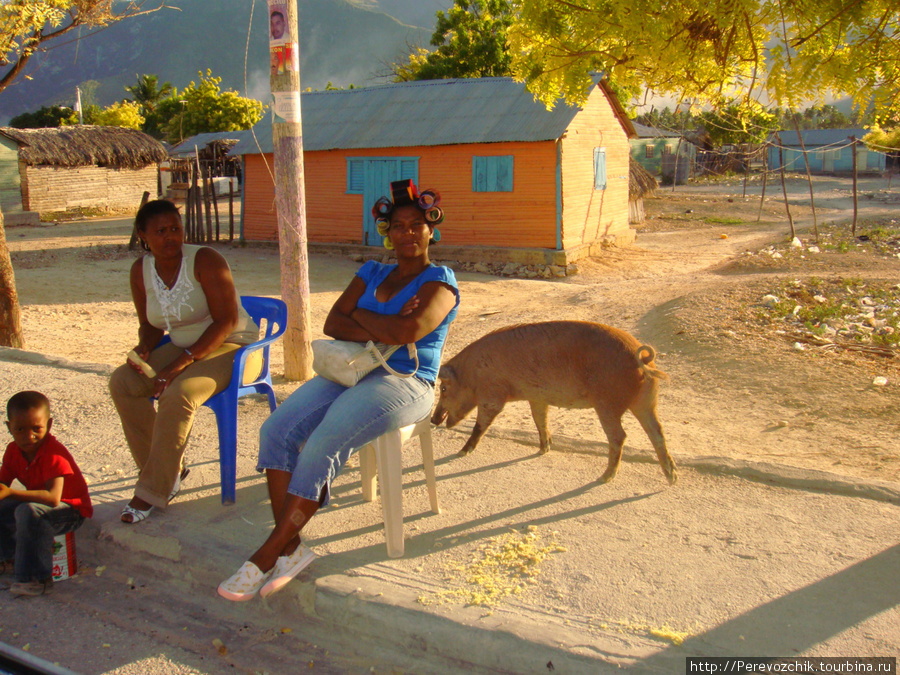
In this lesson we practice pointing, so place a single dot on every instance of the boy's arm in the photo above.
(50, 496)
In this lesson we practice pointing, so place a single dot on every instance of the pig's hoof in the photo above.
(463, 452)
(672, 476)
(545, 450)
(606, 477)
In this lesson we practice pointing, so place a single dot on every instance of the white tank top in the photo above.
(182, 311)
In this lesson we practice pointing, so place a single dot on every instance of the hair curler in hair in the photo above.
(382, 207)
(434, 215)
(428, 199)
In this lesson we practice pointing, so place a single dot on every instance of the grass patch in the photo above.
(723, 221)
(78, 213)
(866, 312)
(880, 237)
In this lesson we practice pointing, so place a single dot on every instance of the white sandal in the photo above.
(137, 515)
(244, 584)
(177, 487)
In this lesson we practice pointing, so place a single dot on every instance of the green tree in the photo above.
(713, 53)
(54, 116)
(814, 117)
(883, 140)
(147, 92)
(26, 26)
(679, 120)
(736, 125)
(125, 114)
(204, 107)
(470, 40)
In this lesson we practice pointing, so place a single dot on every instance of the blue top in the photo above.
(430, 346)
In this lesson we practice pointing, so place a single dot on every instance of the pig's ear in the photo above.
(447, 373)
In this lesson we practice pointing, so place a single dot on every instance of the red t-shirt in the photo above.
(51, 461)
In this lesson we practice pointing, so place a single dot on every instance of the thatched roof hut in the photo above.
(47, 170)
(86, 145)
(640, 182)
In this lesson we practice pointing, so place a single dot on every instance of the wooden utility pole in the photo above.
(290, 201)
(855, 196)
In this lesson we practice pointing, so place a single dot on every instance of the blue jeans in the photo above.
(26, 534)
(329, 422)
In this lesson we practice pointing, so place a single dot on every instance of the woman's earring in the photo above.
(436, 235)
(388, 245)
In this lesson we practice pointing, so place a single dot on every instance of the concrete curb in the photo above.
(379, 605)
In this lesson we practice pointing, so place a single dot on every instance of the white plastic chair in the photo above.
(385, 452)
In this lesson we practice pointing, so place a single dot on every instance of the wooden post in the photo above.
(855, 195)
(215, 203)
(230, 211)
(134, 235)
(195, 236)
(290, 201)
(746, 155)
(762, 197)
(198, 206)
(812, 199)
(204, 173)
(787, 206)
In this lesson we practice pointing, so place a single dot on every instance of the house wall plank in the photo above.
(10, 183)
(59, 189)
(525, 217)
(588, 214)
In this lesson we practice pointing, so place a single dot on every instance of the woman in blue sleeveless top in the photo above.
(306, 441)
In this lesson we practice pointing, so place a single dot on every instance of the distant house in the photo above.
(512, 175)
(81, 166)
(212, 150)
(653, 147)
(828, 151)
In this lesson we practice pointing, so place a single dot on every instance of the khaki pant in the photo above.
(158, 436)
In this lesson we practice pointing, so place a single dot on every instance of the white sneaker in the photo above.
(286, 568)
(244, 584)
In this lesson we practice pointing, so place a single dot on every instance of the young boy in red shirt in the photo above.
(55, 499)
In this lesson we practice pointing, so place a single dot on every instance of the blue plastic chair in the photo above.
(224, 404)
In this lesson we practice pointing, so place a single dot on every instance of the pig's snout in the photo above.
(440, 414)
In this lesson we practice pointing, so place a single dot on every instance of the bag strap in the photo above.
(413, 354)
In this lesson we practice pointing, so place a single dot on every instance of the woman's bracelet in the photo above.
(190, 354)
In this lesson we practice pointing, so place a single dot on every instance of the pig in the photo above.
(567, 364)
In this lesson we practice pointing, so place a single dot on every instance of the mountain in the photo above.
(340, 42)
(414, 12)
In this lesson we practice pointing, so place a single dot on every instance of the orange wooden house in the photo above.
(517, 181)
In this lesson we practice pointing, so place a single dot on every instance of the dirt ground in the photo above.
(687, 286)
(683, 287)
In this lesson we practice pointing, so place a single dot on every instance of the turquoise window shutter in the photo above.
(492, 174)
(599, 168)
(409, 168)
(356, 176)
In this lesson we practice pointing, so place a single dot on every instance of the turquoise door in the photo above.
(378, 174)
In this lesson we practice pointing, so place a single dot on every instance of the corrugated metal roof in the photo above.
(644, 131)
(815, 137)
(432, 112)
(186, 147)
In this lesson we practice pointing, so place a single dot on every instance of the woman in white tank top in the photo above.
(188, 293)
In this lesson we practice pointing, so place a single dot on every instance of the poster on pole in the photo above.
(287, 106)
(279, 30)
